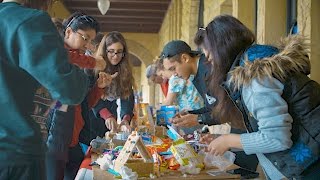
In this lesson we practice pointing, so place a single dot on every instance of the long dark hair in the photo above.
(122, 85)
(225, 38)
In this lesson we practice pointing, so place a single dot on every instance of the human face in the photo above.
(80, 39)
(115, 53)
(181, 69)
(156, 79)
(164, 74)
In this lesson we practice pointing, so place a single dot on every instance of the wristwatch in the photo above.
(200, 118)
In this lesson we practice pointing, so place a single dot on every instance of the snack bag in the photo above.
(185, 154)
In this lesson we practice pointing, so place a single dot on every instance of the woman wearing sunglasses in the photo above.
(65, 122)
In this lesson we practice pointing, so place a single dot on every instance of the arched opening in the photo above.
(140, 57)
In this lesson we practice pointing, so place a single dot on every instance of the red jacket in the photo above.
(80, 59)
(93, 97)
(83, 61)
(164, 88)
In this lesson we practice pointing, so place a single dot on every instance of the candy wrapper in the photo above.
(185, 154)
(173, 164)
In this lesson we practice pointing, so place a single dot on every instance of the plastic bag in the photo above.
(127, 173)
(221, 162)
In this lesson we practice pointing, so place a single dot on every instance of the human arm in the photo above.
(219, 145)
(192, 118)
(97, 91)
(105, 110)
(110, 119)
(263, 99)
(85, 61)
(176, 85)
(170, 99)
(43, 56)
(126, 112)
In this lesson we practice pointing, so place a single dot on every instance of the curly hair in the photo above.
(122, 85)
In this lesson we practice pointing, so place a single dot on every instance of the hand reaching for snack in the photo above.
(111, 124)
(125, 126)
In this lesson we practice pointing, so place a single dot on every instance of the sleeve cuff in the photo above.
(248, 146)
(127, 117)
(105, 113)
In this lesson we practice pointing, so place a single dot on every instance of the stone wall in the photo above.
(308, 25)
(181, 22)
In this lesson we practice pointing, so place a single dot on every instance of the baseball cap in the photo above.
(175, 47)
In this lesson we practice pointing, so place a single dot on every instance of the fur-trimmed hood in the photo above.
(291, 56)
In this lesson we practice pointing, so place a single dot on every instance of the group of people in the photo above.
(55, 76)
(264, 91)
(260, 89)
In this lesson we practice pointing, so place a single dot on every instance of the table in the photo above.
(99, 174)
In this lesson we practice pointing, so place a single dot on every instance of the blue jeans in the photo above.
(60, 126)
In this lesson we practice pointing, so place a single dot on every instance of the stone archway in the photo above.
(144, 55)
(140, 51)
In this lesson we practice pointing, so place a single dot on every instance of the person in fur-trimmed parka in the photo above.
(280, 105)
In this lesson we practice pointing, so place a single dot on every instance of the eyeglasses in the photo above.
(82, 36)
(113, 53)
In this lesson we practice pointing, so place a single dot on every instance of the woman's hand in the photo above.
(207, 138)
(111, 124)
(218, 146)
(125, 126)
(223, 143)
(185, 120)
(105, 79)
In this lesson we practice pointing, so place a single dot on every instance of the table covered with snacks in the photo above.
(214, 173)
(145, 156)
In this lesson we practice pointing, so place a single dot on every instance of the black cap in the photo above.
(175, 47)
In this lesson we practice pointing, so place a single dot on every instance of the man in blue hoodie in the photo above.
(31, 53)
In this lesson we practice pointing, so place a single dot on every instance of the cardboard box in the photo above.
(143, 169)
(160, 131)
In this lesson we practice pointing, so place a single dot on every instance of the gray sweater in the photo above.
(264, 102)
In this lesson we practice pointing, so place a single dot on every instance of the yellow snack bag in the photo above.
(185, 154)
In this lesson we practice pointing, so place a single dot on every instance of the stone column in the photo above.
(271, 21)
(244, 10)
(213, 8)
(189, 25)
(309, 26)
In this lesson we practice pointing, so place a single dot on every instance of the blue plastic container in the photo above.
(165, 113)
